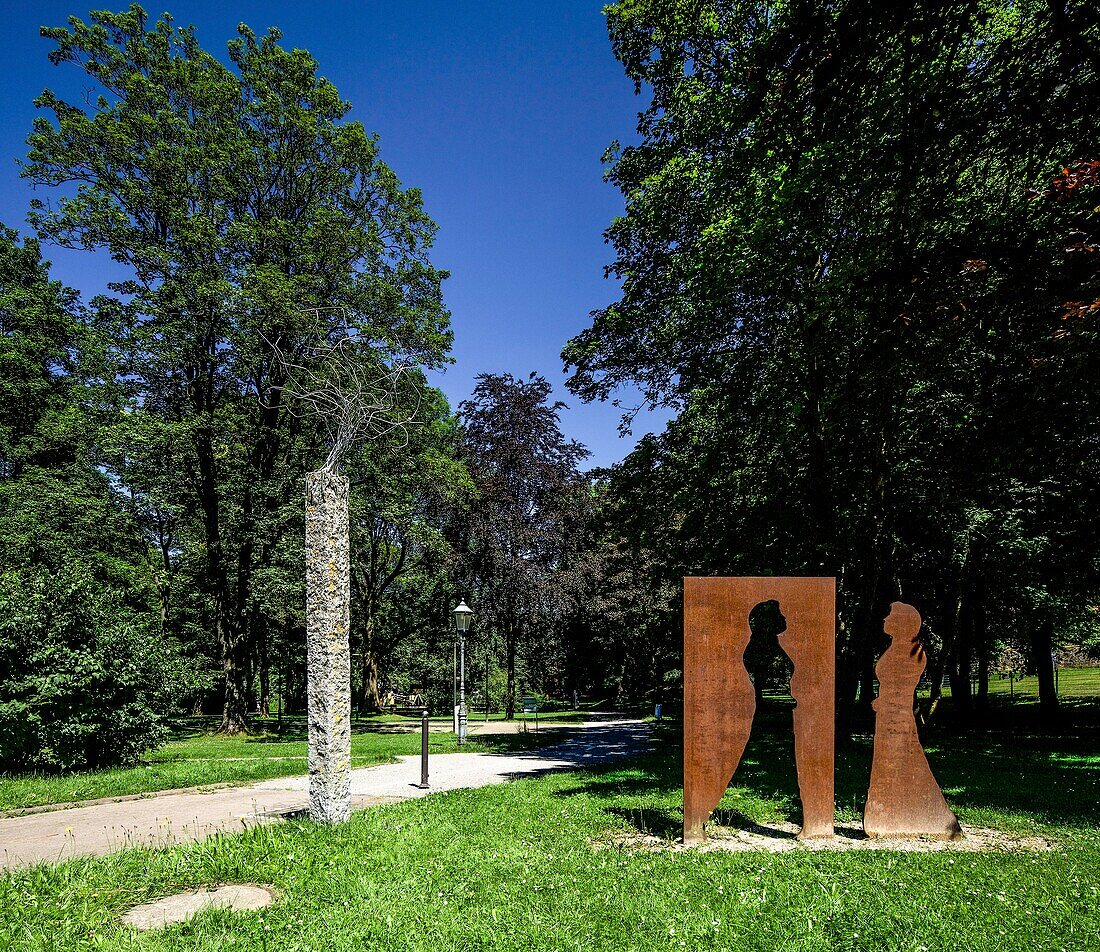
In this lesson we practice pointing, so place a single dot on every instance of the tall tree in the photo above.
(55, 503)
(831, 268)
(525, 528)
(252, 215)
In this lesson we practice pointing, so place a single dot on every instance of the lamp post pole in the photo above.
(462, 687)
(463, 616)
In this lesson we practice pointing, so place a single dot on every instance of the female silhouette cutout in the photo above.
(904, 798)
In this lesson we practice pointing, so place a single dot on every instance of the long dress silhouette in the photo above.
(904, 798)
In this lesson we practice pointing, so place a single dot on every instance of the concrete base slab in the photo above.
(782, 837)
(182, 906)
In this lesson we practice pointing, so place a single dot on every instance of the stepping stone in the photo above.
(182, 906)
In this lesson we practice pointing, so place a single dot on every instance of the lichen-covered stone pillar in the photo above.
(328, 655)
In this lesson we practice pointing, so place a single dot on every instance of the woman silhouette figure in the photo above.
(904, 798)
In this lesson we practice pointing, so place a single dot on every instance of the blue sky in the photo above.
(498, 111)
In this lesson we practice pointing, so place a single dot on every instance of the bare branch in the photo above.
(345, 382)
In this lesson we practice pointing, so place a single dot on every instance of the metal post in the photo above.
(462, 688)
(282, 696)
(424, 749)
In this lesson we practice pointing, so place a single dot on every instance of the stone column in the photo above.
(328, 654)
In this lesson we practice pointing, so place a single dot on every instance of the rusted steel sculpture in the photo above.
(904, 798)
(718, 695)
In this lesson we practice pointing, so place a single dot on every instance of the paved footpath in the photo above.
(167, 818)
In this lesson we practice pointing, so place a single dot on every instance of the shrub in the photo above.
(84, 681)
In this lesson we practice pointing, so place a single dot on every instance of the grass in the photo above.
(198, 758)
(1072, 683)
(528, 866)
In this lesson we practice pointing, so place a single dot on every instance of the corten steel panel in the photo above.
(718, 696)
(904, 798)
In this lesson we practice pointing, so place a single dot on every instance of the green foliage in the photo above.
(252, 216)
(53, 501)
(524, 562)
(86, 681)
(857, 258)
(38, 334)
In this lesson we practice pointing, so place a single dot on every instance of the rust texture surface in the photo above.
(718, 695)
(904, 798)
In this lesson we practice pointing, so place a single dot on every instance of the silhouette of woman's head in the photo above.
(902, 624)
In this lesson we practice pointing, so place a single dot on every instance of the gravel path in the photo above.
(178, 817)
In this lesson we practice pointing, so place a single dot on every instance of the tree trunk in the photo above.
(963, 658)
(265, 673)
(227, 621)
(372, 697)
(848, 665)
(510, 656)
(369, 698)
(951, 610)
(1042, 648)
(235, 708)
(869, 640)
(487, 657)
(328, 650)
(959, 676)
(282, 695)
(235, 669)
(981, 644)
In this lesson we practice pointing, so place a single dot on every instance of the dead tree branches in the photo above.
(341, 380)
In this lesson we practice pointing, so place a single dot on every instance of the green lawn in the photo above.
(527, 866)
(1072, 682)
(197, 758)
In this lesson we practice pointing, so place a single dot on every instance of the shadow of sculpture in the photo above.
(904, 798)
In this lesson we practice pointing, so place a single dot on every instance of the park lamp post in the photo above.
(463, 615)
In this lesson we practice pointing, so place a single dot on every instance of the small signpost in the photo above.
(531, 706)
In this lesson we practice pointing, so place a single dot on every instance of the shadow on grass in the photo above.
(1012, 767)
(1017, 764)
(517, 743)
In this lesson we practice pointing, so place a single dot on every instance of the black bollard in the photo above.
(424, 750)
